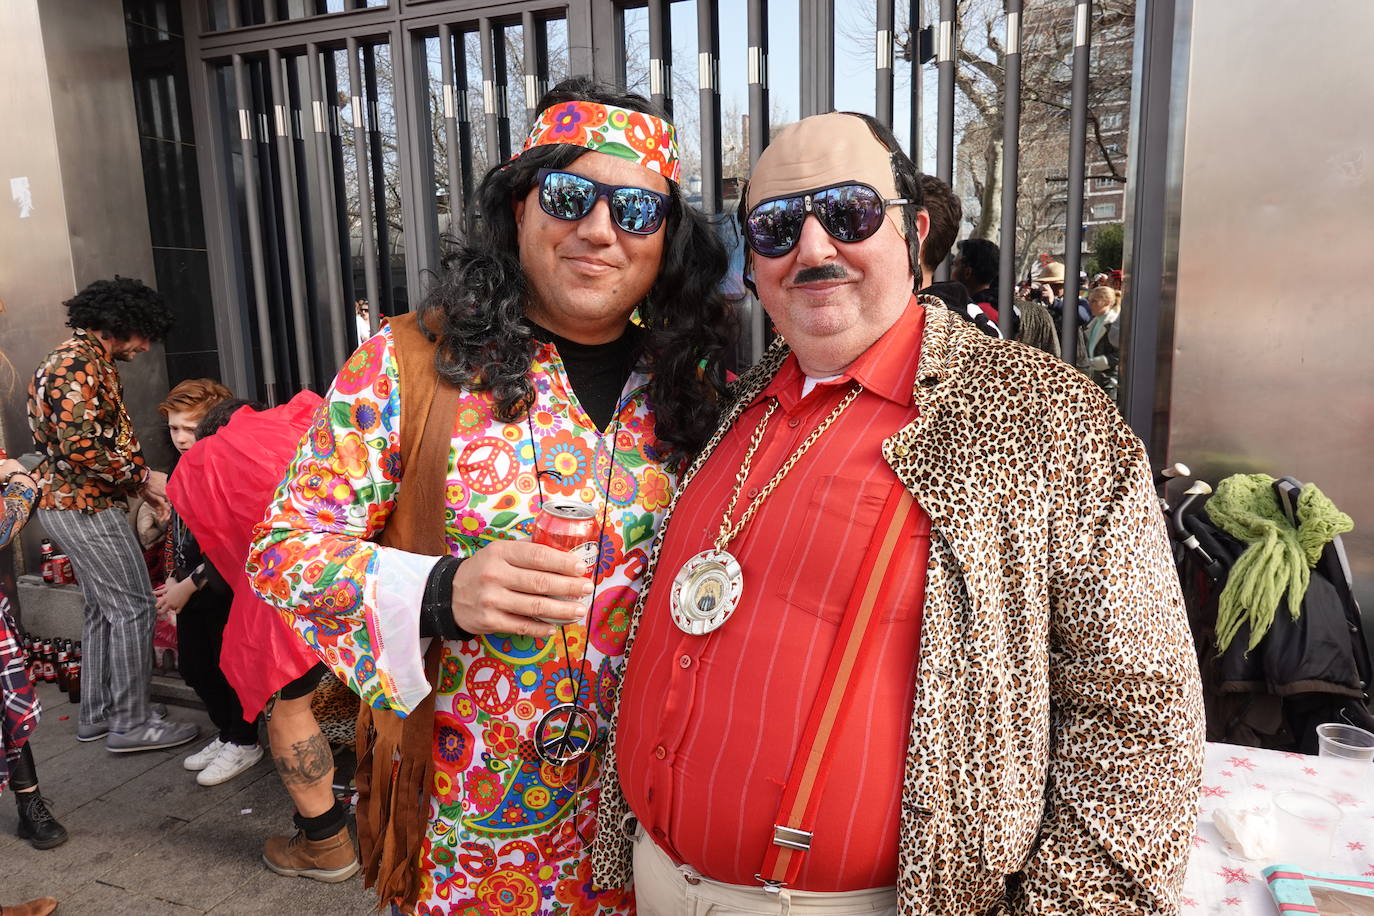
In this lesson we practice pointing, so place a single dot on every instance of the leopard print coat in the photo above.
(1057, 731)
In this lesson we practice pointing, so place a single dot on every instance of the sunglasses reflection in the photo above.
(569, 197)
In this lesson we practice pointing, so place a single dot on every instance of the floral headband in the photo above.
(641, 138)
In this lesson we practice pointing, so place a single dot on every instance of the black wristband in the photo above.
(436, 606)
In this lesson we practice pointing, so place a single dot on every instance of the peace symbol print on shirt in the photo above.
(488, 465)
(491, 684)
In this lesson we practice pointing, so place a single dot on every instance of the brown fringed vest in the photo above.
(395, 755)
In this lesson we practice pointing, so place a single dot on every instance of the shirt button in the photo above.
(794, 422)
(753, 491)
(685, 661)
(660, 752)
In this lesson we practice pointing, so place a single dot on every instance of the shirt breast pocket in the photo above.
(822, 556)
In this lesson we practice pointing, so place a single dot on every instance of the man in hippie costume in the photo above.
(913, 642)
(398, 543)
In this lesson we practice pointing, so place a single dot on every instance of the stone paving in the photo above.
(147, 840)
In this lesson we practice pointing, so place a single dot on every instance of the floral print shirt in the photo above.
(76, 412)
(19, 707)
(507, 832)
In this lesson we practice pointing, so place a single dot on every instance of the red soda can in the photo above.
(570, 526)
(62, 570)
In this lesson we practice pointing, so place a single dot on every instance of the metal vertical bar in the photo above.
(619, 52)
(340, 319)
(1011, 167)
(368, 243)
(414, 159)
(708, 81)
(541, 62)
(887, 23)
(661, 55)
(1150, 263)
(456, 199)
(489, 93)
(917, 129)
(944, 145)
(460, 79)
(340, 231)
(250, 194)
(817, 39)
(534, 50)
(291, 216)
(1078, 139)
(269, 9)
(944, 62)
(758, 79)
(378, 174)
(498, 68)
(234, 20)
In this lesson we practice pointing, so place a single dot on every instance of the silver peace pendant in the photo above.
(565, 734)
(706, 591)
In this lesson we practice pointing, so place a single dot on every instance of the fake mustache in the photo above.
(830, 271)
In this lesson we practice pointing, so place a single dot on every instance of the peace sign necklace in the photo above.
(569, 732)
(707, 590)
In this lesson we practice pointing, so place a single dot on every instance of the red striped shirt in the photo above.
(709, 725)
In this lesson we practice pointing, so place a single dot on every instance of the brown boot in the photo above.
(40, 907)
(331, 860)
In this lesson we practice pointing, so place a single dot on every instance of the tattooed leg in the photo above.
(302, 756)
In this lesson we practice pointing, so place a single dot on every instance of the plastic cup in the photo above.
(1305, 827)
(1347, 742)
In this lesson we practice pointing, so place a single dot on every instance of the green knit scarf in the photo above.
(1279, 557)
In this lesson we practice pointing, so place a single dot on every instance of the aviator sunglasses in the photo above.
(566, 196)
(850, 212)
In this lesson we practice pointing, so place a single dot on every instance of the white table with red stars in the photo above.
(1247, 778)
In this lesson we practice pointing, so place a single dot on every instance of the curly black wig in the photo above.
(480, 299)
(121, 307)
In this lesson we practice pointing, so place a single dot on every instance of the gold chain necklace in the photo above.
(707, 589)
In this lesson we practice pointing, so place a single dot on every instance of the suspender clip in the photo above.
(770, 887)
(791, 837)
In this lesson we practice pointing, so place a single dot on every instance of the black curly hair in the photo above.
(217, 417)
(480, 299)
(982, 259)
(121, 307)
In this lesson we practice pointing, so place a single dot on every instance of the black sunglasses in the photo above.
(566, 196)
(850, 212)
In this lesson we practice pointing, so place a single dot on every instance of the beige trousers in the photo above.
(665, 889)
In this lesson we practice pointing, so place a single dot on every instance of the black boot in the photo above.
(36, 823)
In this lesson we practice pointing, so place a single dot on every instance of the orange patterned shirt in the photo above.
(76, 411)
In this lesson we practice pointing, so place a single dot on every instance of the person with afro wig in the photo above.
(93, 464)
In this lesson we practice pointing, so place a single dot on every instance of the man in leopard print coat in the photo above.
(1045, 756)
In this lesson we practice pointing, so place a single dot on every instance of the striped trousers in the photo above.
(117, 644)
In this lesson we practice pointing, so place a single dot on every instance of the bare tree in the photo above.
(1046, 84)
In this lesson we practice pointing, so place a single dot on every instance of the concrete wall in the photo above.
(71, 136)
(1274, 354)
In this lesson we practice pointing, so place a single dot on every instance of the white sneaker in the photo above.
(232, 760)
(203, 757)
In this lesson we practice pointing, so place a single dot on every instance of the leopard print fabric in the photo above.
(1057, 731)
(336, 710)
